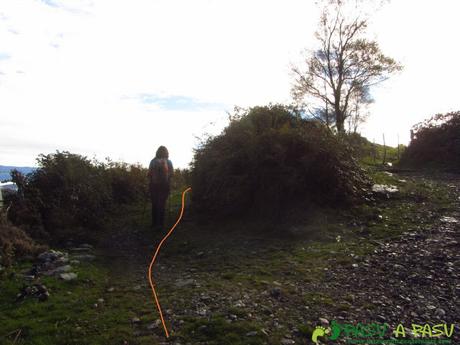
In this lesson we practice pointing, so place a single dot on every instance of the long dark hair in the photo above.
(162, 152)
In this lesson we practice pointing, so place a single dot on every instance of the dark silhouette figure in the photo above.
(160, 173)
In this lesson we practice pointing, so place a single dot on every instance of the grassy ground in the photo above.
(218, 284)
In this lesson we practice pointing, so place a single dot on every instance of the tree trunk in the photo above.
(339, 118)
(340, 127)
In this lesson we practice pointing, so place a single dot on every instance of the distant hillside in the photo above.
(5, 171)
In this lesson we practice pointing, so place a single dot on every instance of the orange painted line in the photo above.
(157, 302)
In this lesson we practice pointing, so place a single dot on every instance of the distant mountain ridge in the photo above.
(6, 169)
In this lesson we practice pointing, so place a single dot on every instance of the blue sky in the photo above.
(116, 78)
(179, 103)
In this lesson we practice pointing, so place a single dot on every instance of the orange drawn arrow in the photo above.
(155, 256)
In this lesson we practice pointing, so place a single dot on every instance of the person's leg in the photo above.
(152, 200)
(154, 214)
(163, 197)
(161, 217)
(156, 207)
(159, 214)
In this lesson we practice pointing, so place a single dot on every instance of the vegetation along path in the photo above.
(394, 260)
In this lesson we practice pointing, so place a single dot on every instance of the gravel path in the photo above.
(413, 279)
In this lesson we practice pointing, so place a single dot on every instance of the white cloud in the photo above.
(75, 68)
(422, 37)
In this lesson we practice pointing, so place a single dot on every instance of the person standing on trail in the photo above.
(160, 173)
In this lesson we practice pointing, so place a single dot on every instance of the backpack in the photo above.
(159, 173)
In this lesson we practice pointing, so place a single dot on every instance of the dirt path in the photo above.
(411, 279)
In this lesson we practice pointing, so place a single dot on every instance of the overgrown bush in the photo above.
(128, 181)
(15, 243)
(70, 195)
(269, 159)
(71, 191)
(435, 143)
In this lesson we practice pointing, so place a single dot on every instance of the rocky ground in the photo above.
(409, 278)
(53, 263)
(395, 261)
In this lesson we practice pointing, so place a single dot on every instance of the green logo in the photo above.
(319, 331)
(374, 333)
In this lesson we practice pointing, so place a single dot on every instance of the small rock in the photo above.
(251, 334)
(440, 312)
(100, 300)
(111, 289)
(151, 326)
(62, 269)
(275, 292)
(324, 322)
(449, 220)
(62, 260)
(239, 304)
(84, 257)
(68, 276)
(202, 312)
(41, 288)
(50, 255)
(184, 282)
(135, 320)
(286, 341)
(381, 188)
(154, 324)
(43, 296)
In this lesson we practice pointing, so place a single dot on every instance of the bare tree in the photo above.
(345, 65)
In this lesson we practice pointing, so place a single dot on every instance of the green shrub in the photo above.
(69, 195)
(71, 191)
(435, 143)
(128, 182)
(269, 159)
